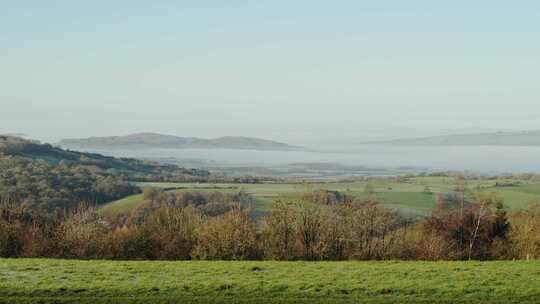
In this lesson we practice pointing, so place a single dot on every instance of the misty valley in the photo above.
(269, 152)
(365, 160)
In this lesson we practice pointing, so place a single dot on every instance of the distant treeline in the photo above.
(321, 226)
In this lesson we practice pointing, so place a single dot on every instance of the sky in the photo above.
(277, 69)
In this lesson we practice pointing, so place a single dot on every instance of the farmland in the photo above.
(413, 196)
(72, 281)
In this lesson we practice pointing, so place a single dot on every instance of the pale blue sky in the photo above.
(266, 68)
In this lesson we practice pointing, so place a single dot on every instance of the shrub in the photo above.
(370, 225)
(524, 235)
(174, 230)
(11, 241)
(231, 236)
(280, 232)
(80, 233)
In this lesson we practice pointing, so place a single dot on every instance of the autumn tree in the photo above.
(370, 225)
(473, 230)
(280, 232)
(231, 236)
(174, 231)
(525, 233)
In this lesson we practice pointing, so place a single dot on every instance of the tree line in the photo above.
(184, 227)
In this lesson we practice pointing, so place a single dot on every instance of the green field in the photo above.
(71, 281)
(407, 195)
(123, 205)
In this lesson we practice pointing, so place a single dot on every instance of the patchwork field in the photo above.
(414, 196)
(71, 281)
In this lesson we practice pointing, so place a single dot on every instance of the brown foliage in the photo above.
(303, 230)
(80, 233)
(231, 236)
(280, 232)
(525, 234)
(470, 230)
(174, 230)
(370, 225)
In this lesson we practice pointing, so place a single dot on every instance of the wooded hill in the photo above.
(51, 180)
(134, 169)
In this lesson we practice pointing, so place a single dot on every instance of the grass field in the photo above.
(408, 196)
(70, 281)
(123, 205)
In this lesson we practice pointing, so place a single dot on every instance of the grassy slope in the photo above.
(59, 281)
(124, 205)
(408, 197)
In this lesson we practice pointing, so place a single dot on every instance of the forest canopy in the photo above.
(52, 180)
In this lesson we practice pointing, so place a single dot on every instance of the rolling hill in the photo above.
(154, 140)
(135, 169)
(49, 180)
(524, 138)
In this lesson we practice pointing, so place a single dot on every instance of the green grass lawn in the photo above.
(124, 205)
(407, 196)
(71, 281)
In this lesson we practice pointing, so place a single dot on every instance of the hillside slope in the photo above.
(49, 180)
(134, 169)
(154, 140)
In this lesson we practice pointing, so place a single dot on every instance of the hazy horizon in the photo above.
(308, 138)
(271, 69)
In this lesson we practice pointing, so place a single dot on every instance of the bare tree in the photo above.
(280, 231)
(483, 207)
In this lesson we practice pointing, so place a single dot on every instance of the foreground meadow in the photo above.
(72, 281)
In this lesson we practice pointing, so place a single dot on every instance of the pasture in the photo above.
(73, 281)
(416, 196)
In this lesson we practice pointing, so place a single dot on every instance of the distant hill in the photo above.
(22, 135)
(154, 140)
(524, 138)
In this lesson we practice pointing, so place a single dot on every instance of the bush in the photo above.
(231, 236)
(174, 232)
(370, 226)
(11, 241)
(280, 233)
(525, 234)
(129, 244)
(471, 230)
